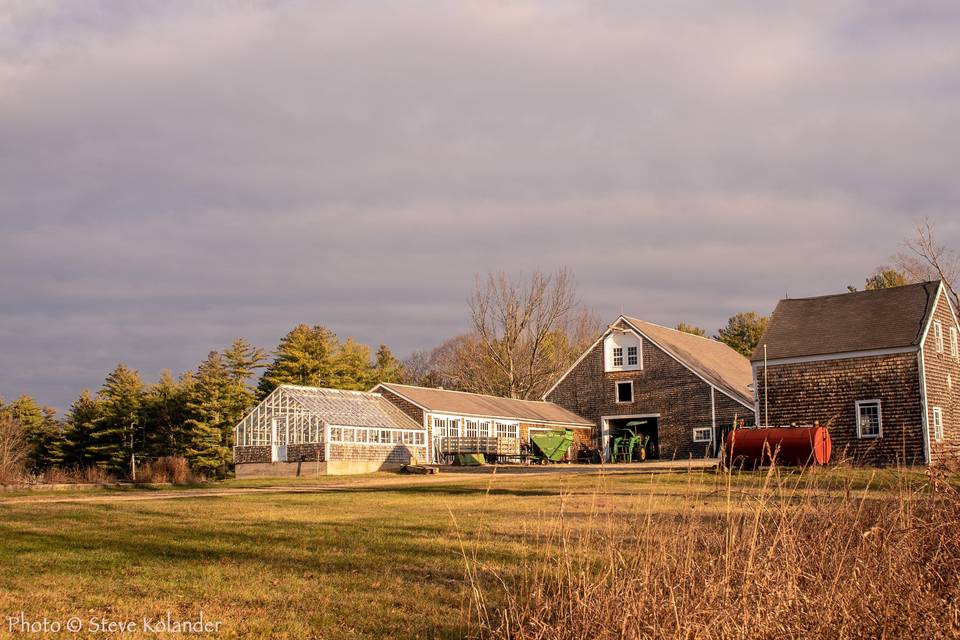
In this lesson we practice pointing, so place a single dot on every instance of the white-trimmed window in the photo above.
(954, 350)
(507, 429)
(869, 419)
(938, 424)
(622, 352)
(471, 428)
(624, 390)
(703, 434)
(938, 336)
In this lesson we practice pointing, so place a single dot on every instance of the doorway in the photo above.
(620, 430)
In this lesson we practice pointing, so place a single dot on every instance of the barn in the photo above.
(310, 431)
(879, 368)
(680, 391)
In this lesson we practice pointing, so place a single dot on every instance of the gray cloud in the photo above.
(174, 175)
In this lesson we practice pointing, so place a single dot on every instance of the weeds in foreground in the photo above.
(784, 558)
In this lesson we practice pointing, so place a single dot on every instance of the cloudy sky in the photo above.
(177, 174)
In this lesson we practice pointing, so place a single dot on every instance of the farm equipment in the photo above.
(799, 446)
(626, 443)
(551, 446)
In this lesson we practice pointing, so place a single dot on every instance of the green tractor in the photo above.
(625, 445)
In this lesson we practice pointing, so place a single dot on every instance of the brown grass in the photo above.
(168, 469)
(790, 557)
(73, 475)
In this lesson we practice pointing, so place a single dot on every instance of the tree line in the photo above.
(192, 416)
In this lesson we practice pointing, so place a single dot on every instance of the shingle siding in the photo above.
(826, 392)
(942, 375)
(664, 386)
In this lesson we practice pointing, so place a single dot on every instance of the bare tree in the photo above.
(14, 448)
(925, 258)
(526, 332)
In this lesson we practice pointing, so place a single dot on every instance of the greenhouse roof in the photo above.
(350, 408)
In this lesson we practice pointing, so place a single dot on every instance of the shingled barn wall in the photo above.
(942, 375)
(826, 392)
(663, 386)
(403, 404)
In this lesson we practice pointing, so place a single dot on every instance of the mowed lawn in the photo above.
(381, 557)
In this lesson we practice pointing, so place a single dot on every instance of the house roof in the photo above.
(350, 408)
(712, 360)
(849, 322)
(475, 404)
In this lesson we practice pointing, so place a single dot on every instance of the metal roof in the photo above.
(350, 408)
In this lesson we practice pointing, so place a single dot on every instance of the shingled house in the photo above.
(680, 389)
(452, 416)
(880, 367)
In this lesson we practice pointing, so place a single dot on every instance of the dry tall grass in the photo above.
(786, 558)
(172, 469)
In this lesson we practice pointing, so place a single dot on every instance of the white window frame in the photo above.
(697, 434)
(616, 391)
(870, 436)
(938, 424)
(616, 351)
(938, 336)
(506, 429)
(633, 359)
(954, 350)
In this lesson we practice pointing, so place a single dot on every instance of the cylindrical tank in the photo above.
(789, 445)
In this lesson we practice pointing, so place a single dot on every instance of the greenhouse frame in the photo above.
(306, 430)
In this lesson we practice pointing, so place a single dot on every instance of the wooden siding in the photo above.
(942, 375)
(664, 386)
(826, 392)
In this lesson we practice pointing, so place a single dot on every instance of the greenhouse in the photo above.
(306, 430)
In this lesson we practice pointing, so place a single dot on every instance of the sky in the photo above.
(174, 175)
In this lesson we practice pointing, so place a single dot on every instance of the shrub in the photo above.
(783, 559)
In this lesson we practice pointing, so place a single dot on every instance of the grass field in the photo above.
(379, 556)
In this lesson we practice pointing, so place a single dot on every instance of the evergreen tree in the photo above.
(164, 414)
(304, 357)
(80, 425)
(117, 432)
(242, 359)
(351, 367)
(41, 430)
(743, 332)
(386, 368)
(210, 424)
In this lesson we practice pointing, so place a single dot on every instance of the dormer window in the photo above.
(622, 352)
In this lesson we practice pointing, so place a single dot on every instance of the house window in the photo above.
(703, 434)
(953, 343)
(938, 336)
(618, 356)
(937, 424)
(508, 430)
(869, 419)
(471, 429)
(622, 352)
(625, 391)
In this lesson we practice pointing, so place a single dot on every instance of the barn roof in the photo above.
(849, 322)
(712, 360)
(350, 408)
(475, 404)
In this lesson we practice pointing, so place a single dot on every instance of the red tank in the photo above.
(790, 445)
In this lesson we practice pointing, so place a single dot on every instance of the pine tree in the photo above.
(117, 432)
(304, 357)
(242, 360)
(164, 414)
(78, 433)
(41, 430)
(209, 425)
(387, 368)
(351, 367)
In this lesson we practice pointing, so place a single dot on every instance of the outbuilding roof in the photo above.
(849, 322)
(350, 408)
(714, 361)
(475, 404)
